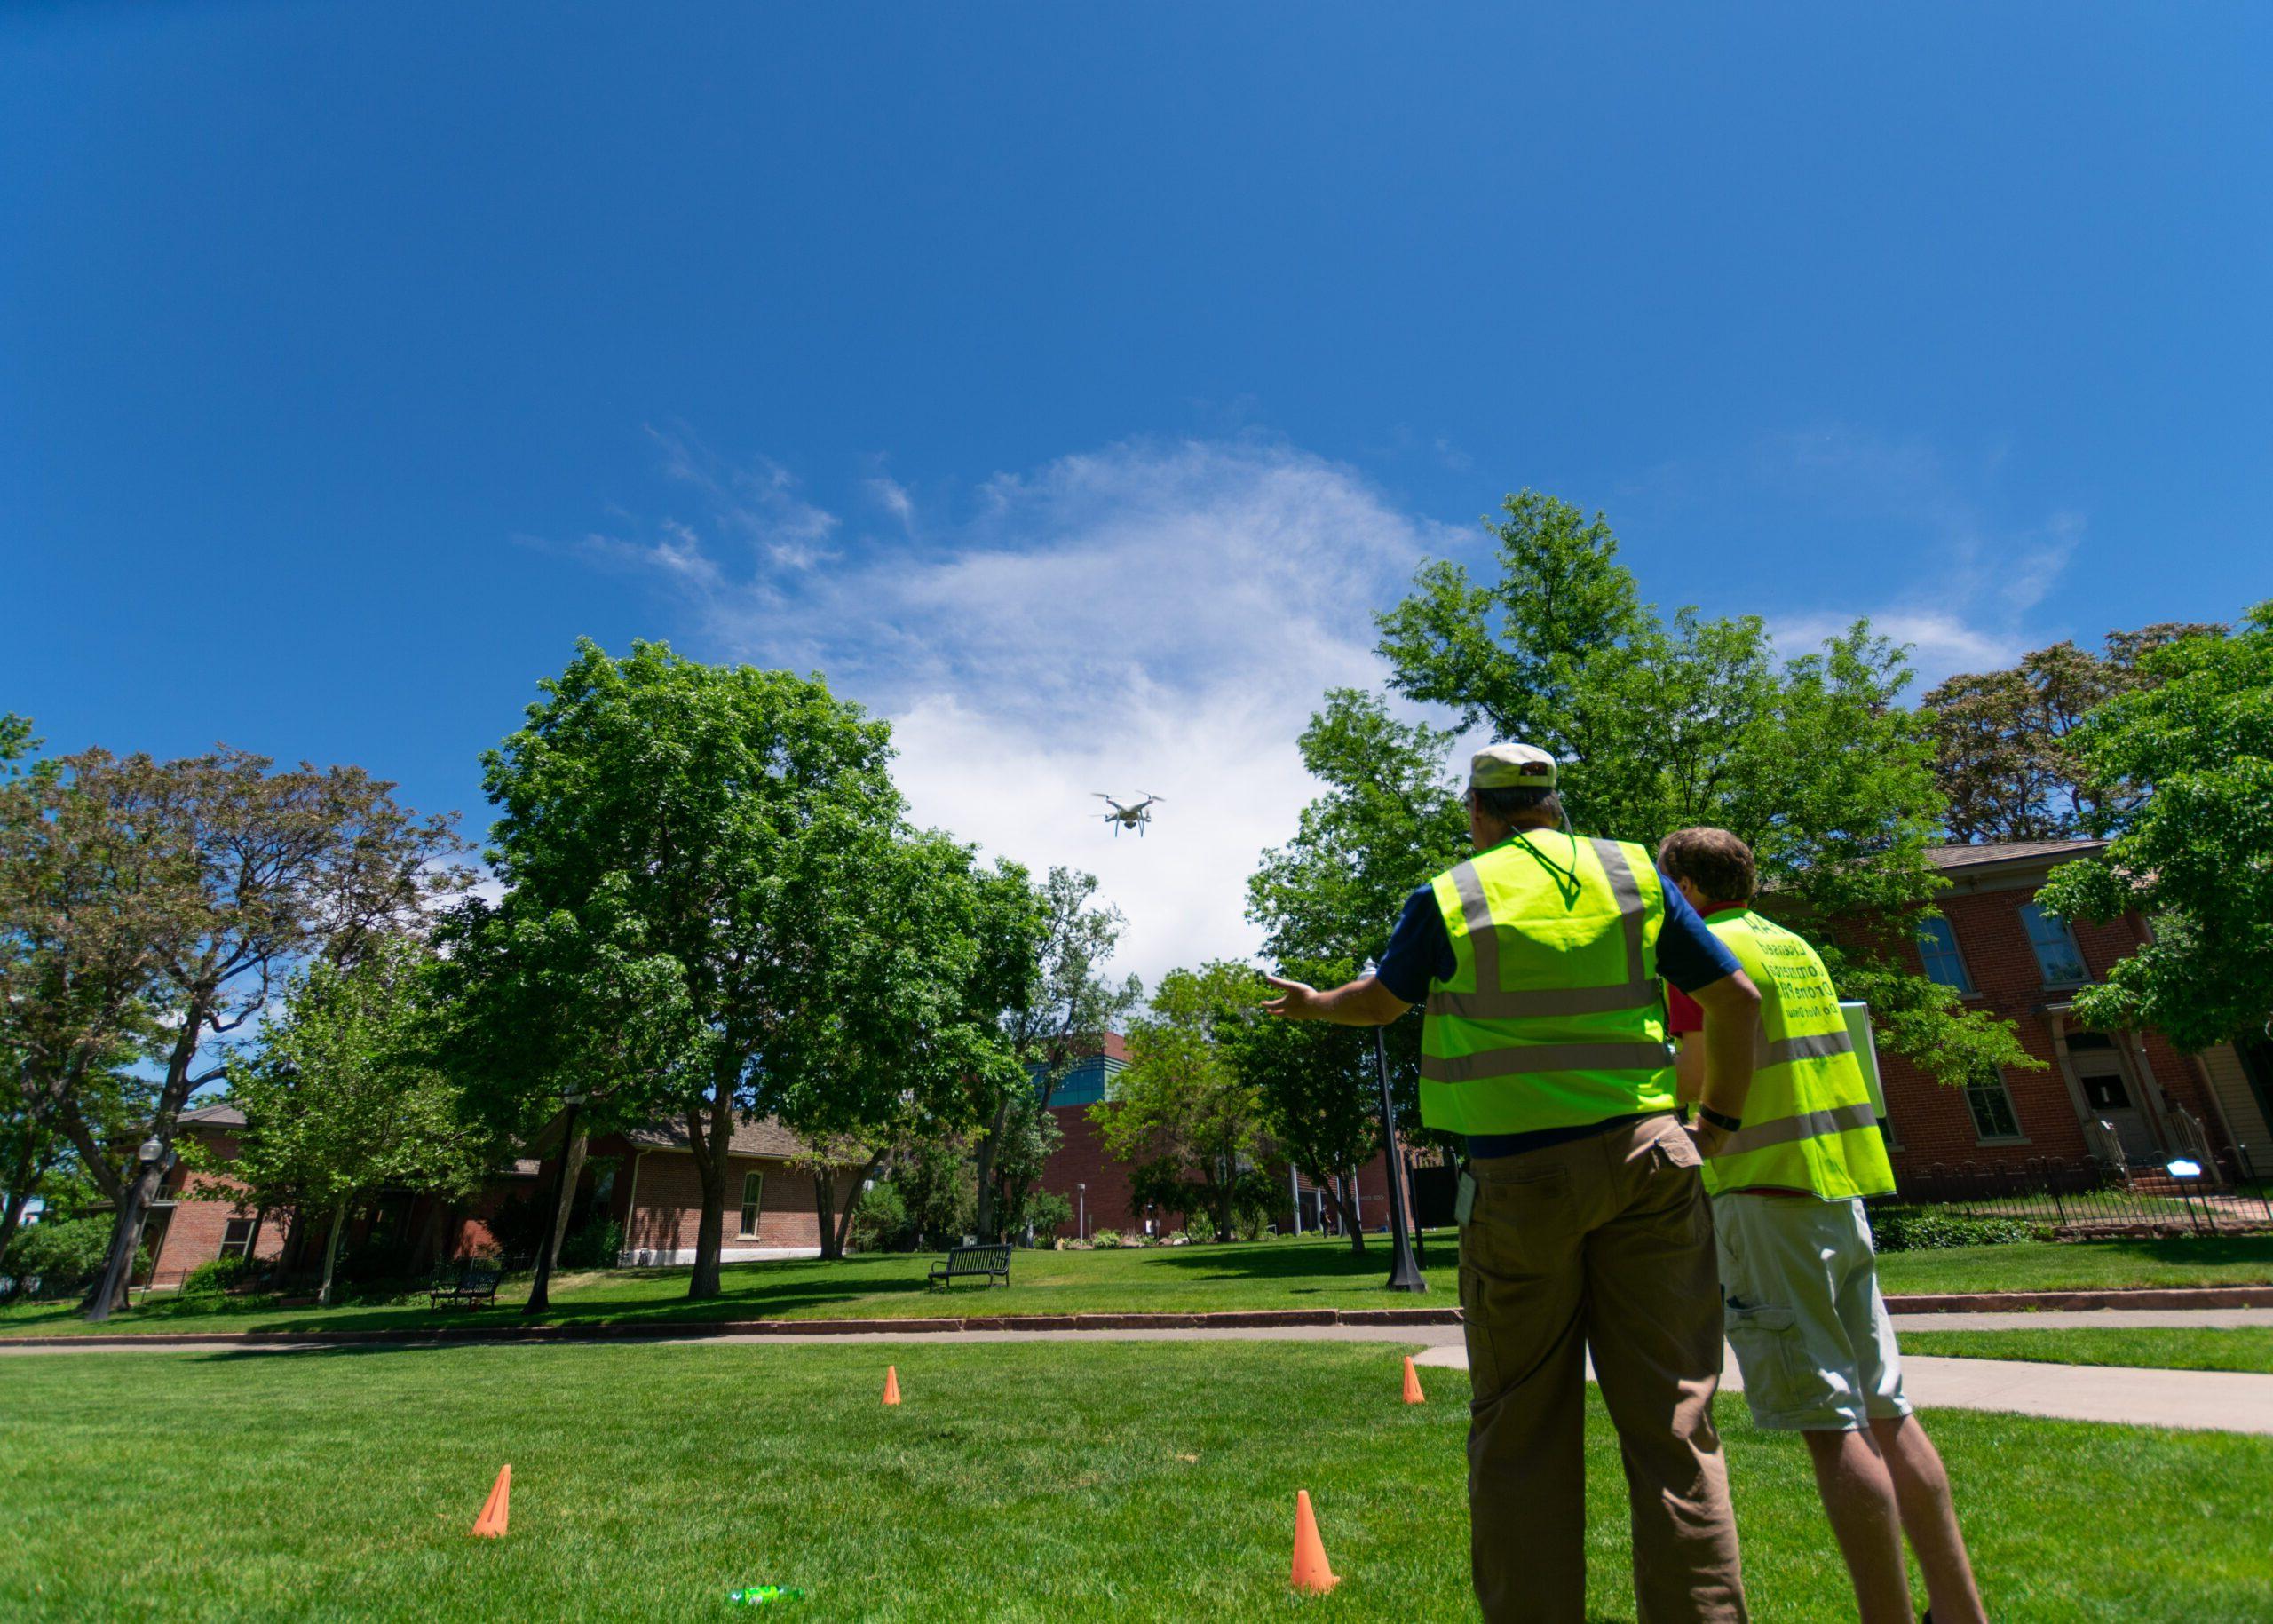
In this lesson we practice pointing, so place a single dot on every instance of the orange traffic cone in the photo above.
(1312, 1576)
(491, 1524)
(891, 1384)
(1413, 1393)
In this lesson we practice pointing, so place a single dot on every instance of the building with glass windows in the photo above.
(2098, 1094)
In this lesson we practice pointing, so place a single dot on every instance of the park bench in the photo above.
(476, 1285)
(991, 1263)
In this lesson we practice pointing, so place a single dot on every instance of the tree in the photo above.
(1659, 725)
(1181, 1112)
(2192, 751)
(343, 1097)
(1321, 1096)
(187, 890)
(1063, 1007)
(746, 825)
(1999, 738)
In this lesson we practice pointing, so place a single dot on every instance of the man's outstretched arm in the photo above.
(1362, 1002)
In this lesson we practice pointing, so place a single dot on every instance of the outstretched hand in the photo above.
(1295, 1001)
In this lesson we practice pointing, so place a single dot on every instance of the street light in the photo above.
(540, 1293)
(1081, 1219)
(1403, 1273)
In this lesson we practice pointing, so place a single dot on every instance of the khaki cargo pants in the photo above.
(1601, 1245)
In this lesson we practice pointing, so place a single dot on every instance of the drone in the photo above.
(1134, 817)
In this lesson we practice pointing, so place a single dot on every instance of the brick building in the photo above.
(645, 1180)
(2006, 956)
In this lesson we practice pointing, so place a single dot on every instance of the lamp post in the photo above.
(540, 1293)
(1403, 1273)
(134, 1208)
(1081, 1212)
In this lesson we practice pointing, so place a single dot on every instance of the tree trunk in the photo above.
(331, 1254)
(428, 1254)
(983, 1158)
(1345, 1189)
(825, 1213)
(836, 1238)
(712, 1143)
(574, 1151)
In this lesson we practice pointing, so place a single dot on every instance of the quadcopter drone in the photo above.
(1134, 817)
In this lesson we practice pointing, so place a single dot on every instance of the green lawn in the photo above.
(1019, 1481)
(2164, 1347)
(1183, 1279)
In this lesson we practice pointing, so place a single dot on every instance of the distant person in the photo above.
(1584, 1228)
(1797, 1269)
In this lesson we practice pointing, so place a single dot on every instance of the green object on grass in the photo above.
(760, 1595)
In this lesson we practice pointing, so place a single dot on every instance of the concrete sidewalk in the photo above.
(2216, 1400)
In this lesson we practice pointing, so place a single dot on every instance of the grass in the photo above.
(2157, 1347)
(1321, 1273)
(1022, 1481)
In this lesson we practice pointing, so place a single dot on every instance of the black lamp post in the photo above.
(540, 1293)
(1403, 1273)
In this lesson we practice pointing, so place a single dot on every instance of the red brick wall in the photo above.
(1933, 1122)
(661, 1210)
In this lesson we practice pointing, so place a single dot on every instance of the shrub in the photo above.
(1105, 1239)
(1048, 1212)
(1199, 1226)
(596, 1246)
(880, 1221)
(63, 1255)
(1925, 1229)
(216, 1278)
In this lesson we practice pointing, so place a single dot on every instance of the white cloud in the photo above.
(1150, 618)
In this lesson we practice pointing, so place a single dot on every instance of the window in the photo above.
(1937, 949)
(1993, 1112)
(753, 1186)
(237, 1239)
(2056, 953)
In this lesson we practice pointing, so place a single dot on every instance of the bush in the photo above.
(64, 1255)
(596, 1246)
(1199, 1225)
(1047, 1213)
(1926, 1229)
(216, 1278)
(880, 1220)
(1105, 1239)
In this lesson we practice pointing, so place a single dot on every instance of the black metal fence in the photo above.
(2090, 1196)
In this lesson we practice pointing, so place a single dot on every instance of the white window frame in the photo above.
(2030, 917)
(753, 1208)
(242, 1247)
(2004, 1090)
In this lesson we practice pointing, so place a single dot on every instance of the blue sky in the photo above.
(1071, 383)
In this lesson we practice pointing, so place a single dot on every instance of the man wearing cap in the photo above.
(1798, 1273)
(1584, 1229)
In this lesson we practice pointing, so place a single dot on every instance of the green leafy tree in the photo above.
(162, 902)
(1181, 1112)
(1064, 1003)
(1321, 1090)
(1999, 738)
(2192, 749)
(1661, 725)
(343, 1097)
(745, 824)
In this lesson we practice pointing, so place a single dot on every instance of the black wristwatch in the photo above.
(1721, 1120)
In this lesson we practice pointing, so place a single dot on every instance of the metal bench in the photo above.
(988, 1262)
(476, 1286)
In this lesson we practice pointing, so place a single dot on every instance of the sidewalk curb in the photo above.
(1949, 1303)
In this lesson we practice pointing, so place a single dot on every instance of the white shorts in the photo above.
(1800, 1302)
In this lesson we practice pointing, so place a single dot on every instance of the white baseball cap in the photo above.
(1511, 766)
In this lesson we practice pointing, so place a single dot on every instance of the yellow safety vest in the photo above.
(1553, 1016)
(1808, 1123)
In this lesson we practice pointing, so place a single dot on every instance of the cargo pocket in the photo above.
(1776, 1377)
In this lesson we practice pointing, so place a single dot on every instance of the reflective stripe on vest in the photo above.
(1808, 1122)
(1553, 1016)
